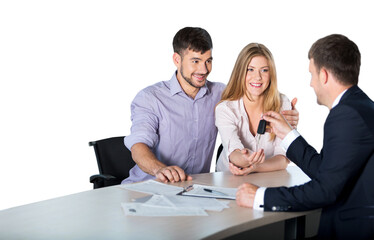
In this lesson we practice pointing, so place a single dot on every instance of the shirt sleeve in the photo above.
(144, 119)
(258, 203)
(227, 128)
(289, 138)
(278, 149)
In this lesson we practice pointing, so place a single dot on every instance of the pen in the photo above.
(215, 192)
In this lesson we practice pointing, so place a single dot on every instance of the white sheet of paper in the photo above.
(140, 209)
(210, 204)
(187, 202)
(153, 187)
(159, 201)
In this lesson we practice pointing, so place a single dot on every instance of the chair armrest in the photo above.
(99, 180)
(101, 176)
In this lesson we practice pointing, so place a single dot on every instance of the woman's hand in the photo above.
(237, 171)
(245, 157)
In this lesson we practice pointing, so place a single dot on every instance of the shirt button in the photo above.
(274, 208)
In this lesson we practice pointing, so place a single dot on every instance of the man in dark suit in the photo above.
(342, 174)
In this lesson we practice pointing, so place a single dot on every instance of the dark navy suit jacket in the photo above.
(342, 174)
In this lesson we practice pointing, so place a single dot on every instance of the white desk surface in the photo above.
(97, 214)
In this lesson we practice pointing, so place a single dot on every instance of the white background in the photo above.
(70, 69)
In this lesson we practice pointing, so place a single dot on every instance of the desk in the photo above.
(97, 214)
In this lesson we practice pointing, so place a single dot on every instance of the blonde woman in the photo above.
(251, 91)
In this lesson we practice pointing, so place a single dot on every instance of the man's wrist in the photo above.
(258, 203)
(159, 166)
(289, 138)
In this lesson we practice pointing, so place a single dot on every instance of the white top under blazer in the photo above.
(233, 126)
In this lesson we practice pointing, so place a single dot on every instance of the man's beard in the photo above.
(188, 80)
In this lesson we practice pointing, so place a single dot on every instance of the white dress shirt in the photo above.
(233, 126)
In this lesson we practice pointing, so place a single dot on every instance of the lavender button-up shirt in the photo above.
(178, 129)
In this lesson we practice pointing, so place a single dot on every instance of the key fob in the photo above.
(261, 127)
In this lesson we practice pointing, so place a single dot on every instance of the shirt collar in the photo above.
(204, 90)
(337, 99)
(175, 87)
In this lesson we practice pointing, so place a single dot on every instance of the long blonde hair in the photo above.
(236, 88)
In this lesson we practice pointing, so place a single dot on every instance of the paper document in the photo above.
(169, 200)
(174, 205)
(179, 201)
(153, 187)
(140, 209)
(198, 190)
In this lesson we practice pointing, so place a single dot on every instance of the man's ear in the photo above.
(324, 76)
(177, 59)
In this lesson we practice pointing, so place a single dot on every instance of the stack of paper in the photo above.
(166, 202)
(167, 205)
(153, 187)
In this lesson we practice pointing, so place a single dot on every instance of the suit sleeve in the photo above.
(305, 156)
(348, 143)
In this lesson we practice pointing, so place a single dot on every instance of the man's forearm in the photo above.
(145, 159)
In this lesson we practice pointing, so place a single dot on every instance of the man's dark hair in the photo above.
(339, 55)
(192, 38)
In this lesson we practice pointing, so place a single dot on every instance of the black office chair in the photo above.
(113, 160)
(219, 150)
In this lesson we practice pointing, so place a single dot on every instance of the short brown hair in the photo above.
(339, 55)
(192, 38)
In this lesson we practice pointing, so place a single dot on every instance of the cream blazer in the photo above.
(233, 126)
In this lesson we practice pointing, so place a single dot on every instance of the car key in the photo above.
(260, 131)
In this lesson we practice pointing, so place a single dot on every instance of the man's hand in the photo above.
(245, 195)
(147, 161)
(278, 124)
(292, 116)
(172, 174)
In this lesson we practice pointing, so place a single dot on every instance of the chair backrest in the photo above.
(219, 150)
(113, 158)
